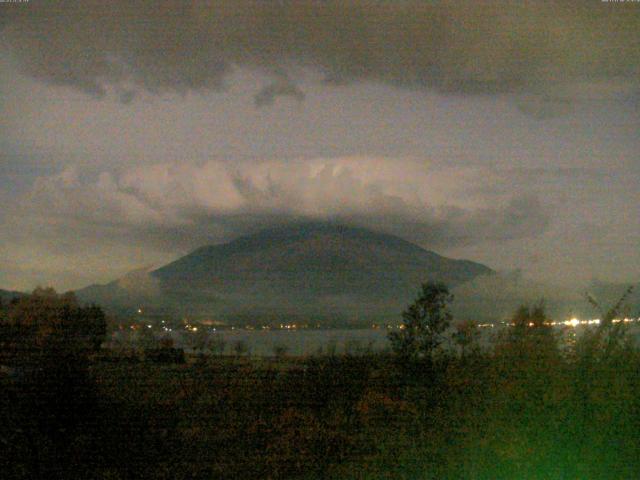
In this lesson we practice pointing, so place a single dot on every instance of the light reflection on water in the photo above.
(311, 342)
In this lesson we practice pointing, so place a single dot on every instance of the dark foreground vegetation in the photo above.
(528, 407)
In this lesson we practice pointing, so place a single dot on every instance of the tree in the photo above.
(530, 338)
(145, 339)
(167, 342)
(610, 335)
(530, 323)
(200, 340)
(46, 338)
(424, 323)
(280, 350)
(217, 344)
(46, 324)
(240, 347)
(466, 336)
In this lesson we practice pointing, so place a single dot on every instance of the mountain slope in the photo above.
(315, 270)
(314, 259)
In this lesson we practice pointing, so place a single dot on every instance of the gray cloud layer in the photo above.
(80, 227)
(462, 47)
(183, 206)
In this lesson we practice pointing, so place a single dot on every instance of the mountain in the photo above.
(308, 271)
(128, 293)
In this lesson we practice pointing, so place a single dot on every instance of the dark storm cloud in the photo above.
(460, 47)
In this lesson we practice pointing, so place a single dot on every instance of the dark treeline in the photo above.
(530, 406)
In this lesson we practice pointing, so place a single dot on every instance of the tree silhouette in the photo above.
(240, 347)
(46, 340)
(466, 336)
(424, 323)
(280, 350)
(217, 344)
(48, 325)
(530, 344)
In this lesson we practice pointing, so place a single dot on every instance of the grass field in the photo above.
(522, 409)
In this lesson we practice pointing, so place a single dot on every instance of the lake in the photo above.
(296, 342)
(309, 342)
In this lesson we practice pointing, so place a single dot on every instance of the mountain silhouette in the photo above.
(314, 270)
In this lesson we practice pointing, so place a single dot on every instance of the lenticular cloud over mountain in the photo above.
(215, 201)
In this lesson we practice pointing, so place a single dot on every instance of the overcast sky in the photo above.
(132, 132)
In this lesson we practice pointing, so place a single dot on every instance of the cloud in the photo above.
(497, 296)
(450, 46)
(268, 94)
(558, 100)
(177, 207)
(544, 106)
